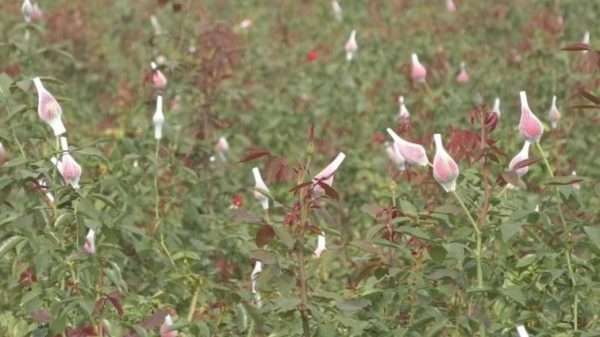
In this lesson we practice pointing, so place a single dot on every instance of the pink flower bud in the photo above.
(450, 6)
(36, 13)
(166, 328)
(445, 169)
(326, 175)
(402, 110)
(158, 119)
(89, 246)
(414, 154)
(530, 126)
(222, 147)
(68, 169)
(260, 189)
(159, 81)
(48, 108)
(395, 156)
(554, 114)
(522, 155)
(463, 76)
(418, 72)
(245, 24)
(351, 46)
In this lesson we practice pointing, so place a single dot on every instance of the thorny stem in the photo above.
(568, 234)
(477, 237)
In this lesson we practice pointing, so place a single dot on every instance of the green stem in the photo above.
(478, 250)
(156, 191)
(567, 232)
(544, 158)
(193, 304)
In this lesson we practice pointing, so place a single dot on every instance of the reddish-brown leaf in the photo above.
(576, 47)
(254, 154)
(329, 191)
(591, 97)
(264, 235)
(300, 186)
(115, 300)
(525, 163)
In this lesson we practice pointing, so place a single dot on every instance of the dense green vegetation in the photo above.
(175, 226)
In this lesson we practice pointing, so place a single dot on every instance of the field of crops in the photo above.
(299, 168)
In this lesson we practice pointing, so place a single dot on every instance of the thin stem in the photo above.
(568, 234)
(300, 253)
(544, 158)
(156, 191)
(477, 237)
(193, 304)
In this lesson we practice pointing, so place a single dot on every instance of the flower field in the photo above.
(182, 168)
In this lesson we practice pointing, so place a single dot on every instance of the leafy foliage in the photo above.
(178, 230)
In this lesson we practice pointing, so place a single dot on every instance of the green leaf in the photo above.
(515, 293)
(509, 230)
(592, 232)
(9, 243)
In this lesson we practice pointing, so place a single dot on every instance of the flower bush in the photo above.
(243, 168)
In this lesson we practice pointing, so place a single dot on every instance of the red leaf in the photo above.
(115, 299)
(329, 191)
(264, 235)
(525, 163)
(300, 186)
(254, 154)
(576, 47)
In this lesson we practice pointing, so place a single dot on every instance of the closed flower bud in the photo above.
(158, 119)
(414, 154)
(337, 10)
(351, 46)
(48, 108)
(222, 148)
(450, 6)
(445, 169)
(27, 10)
(521, 156)
(159, 81)
(463, 76)
(258, 267)
(89, 246)
(418, 72)
(166, 329)
(260, 189)
(327, 174)
(529, 125)
(586, 40)
(402, 110)
(554, 114)
(321, 245)
(68, 169)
